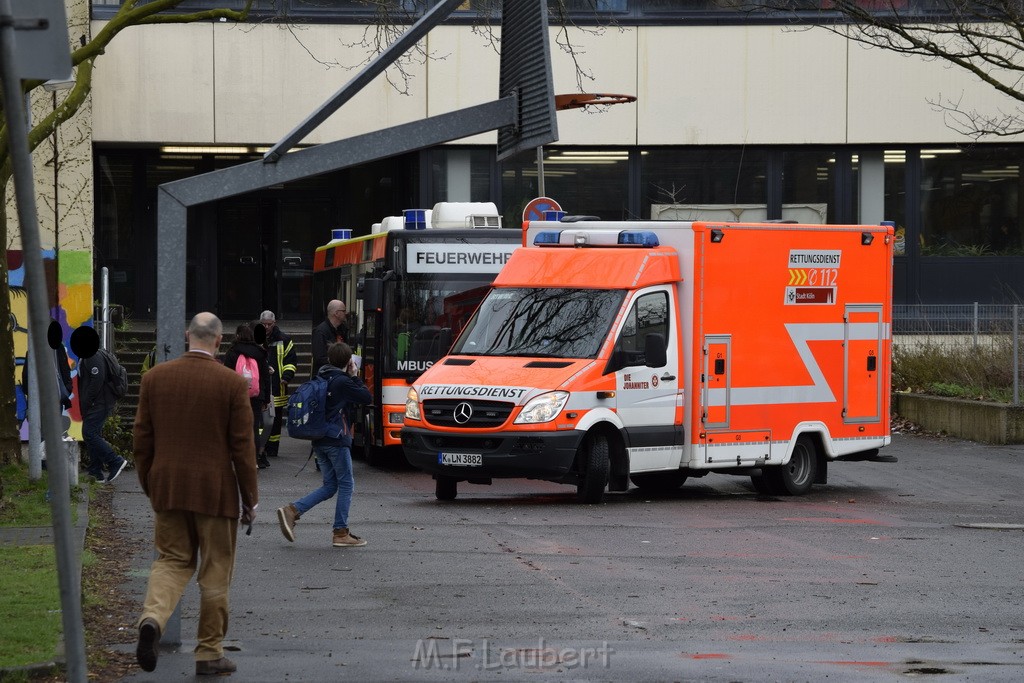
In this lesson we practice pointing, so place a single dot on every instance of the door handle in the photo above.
(246, 260)
(668, 378)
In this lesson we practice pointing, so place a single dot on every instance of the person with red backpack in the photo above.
(249, 360)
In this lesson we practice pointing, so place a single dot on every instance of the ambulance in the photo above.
(607, 353)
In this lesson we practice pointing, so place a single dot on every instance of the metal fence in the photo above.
(965, 328)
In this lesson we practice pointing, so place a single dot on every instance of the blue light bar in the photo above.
(639, 238)
(547, 237)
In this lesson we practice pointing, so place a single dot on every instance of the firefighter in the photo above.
(282, 358)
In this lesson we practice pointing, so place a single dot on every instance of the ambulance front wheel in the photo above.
(446, 488)
(795, 477)
(593, 456)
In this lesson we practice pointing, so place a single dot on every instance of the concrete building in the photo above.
(738, 116)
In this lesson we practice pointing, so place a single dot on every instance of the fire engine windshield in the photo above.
(546, 323)
(426, 315)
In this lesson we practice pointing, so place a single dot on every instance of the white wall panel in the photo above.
(608, 63)
(155, 84)
(223, 83)
(891, 95)
(734, 84)
(271, 77)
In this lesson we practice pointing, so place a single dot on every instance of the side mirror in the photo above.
(654, 350)
(371, 291)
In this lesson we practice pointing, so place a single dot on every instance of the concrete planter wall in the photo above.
(975, 420)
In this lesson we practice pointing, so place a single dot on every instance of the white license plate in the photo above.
(464, 459)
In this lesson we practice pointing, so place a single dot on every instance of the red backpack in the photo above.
(250, 370)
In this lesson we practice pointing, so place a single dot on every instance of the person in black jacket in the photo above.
(332, 330)
(245, 344)
(333, 451)
(96, 400)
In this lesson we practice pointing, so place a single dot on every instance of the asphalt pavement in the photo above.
(888, 572)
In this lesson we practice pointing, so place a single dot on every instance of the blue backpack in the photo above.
(307, 410)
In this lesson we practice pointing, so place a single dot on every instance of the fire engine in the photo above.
(409, 287)
(650, 352)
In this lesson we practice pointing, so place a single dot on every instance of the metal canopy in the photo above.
(524, 115)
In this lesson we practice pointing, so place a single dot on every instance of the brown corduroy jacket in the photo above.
(193, 441)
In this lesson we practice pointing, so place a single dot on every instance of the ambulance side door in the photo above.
(646, 396)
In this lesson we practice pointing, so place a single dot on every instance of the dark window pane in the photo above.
(695, 177)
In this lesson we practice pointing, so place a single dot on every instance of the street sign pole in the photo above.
(57, 472)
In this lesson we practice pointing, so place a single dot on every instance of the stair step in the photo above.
(133, 345)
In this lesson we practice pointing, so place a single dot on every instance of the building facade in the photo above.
(737, 117)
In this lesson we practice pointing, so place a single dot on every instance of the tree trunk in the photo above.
(10, 440)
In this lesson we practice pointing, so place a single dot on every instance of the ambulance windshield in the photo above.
(542, 323)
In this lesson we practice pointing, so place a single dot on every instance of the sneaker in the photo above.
(116, 473)
(343, 539)
(286, 518)
(146, 651)
(215, 667)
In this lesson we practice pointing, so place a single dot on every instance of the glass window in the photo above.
(809, 186)
(547, 323)
(593, 182)
(970, 201)
(459, 174)
(690, 183)
(648, 315)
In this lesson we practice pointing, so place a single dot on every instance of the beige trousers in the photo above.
(182, 538)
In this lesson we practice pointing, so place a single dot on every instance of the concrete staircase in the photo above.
(133, 344)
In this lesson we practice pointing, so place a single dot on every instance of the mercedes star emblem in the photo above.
(462, 413)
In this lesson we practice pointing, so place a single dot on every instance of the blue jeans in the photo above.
(335, 463)
(101, 454)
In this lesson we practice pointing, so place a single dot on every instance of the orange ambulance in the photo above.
(649, 352)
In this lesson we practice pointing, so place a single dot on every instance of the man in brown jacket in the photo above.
(195, 457)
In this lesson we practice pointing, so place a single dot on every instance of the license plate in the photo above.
(464, 459)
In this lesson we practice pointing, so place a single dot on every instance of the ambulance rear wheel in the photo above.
(446, 488)
(594, 478)
(659, 482)
(796, 477)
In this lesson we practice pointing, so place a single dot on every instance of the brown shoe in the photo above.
(343, 539)
(146, 652)
(215, 667)
(286, 518)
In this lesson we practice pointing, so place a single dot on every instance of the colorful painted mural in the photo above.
(70, 305)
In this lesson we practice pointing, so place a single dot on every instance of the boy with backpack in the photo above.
(101, 382)
(332, 442)
(249, 360)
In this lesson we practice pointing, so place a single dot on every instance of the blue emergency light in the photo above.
(638, 238)
(596, 238)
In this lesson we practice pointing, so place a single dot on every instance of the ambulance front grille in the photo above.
(467, 414)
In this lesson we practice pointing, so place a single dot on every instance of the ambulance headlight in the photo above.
(412, 405)
(543, 408)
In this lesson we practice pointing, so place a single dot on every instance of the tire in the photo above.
(594, 478)
(796, 477)
(659, 482)
(446, 488)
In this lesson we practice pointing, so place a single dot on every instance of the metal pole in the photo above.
(1016, 355)
(35, 428)
(105, 306)
(540, 172)
(39, 319)
(975, 325)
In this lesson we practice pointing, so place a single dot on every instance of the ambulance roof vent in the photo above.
(596, 238)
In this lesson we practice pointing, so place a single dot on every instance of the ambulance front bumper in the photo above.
(526, 455)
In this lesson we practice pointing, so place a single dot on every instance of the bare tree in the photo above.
(982, 37)
(83, 57)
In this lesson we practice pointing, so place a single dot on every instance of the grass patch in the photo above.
(24, 501)
(982, 373)
(30, 616)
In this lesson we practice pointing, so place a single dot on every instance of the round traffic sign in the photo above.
(535, 208)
